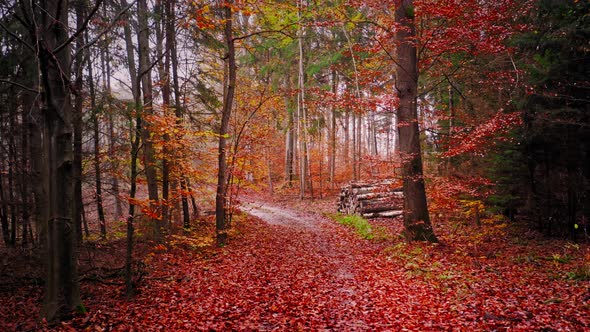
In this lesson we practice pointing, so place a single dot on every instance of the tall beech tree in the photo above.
(52, 46)
(416, 218)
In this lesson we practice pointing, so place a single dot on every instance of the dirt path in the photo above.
(281, 216)
(337, 295)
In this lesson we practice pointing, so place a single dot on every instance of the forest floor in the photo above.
(290, 267)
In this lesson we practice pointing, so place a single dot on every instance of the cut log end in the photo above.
(383, 199)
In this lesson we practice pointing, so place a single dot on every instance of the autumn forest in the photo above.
(288, 165)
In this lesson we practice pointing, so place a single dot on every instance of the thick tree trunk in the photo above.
(62, 288)
(221, 224)
(416, 219)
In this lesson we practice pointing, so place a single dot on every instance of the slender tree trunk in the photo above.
(269, 170)
(96, 140)
(359, 145)
(221, 224)
(37, 176)
(193, 202)
(164, 74)
(290, 135)
(146, 85)
(113, 163)
(416, 219)
(451, 115)
(115, 188)
(27, 105)
(346, 129)
(135, 133)
(354, 145)
(332, 154)
(135, 140)
(11, 175)
(302, 115)
(4, 210)
(171, 36)
(77, 120)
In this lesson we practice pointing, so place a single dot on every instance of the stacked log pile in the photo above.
(383, 199)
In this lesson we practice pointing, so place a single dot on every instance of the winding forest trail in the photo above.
(289, 269)
(319, 269)
(315, 274)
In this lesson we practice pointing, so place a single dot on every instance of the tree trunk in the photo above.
(290, 135)
(27, 104)
(96, 140)
(333, 132)
(171, 35)
(302, 116)
(221, 224)
(346, 129)
(135, 133)
(359, 145)
(164, 74)
(11, 176)
(113, 163)
(450, 131)
(146, 85)
(38, 174)
(77, 121)
(354, 154)
(416, 219)
(135, 140)
(4, 211)
(62, 288)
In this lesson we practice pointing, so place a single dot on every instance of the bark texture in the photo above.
(416, 219)
(62, 289)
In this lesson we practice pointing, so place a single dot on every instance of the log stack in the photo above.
(374, 199)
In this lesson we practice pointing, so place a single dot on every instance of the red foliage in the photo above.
(480, 138)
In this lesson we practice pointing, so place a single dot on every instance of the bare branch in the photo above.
(15, 36)
(255, 33)
(19, 85)
(82, 28)
(107, 29)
